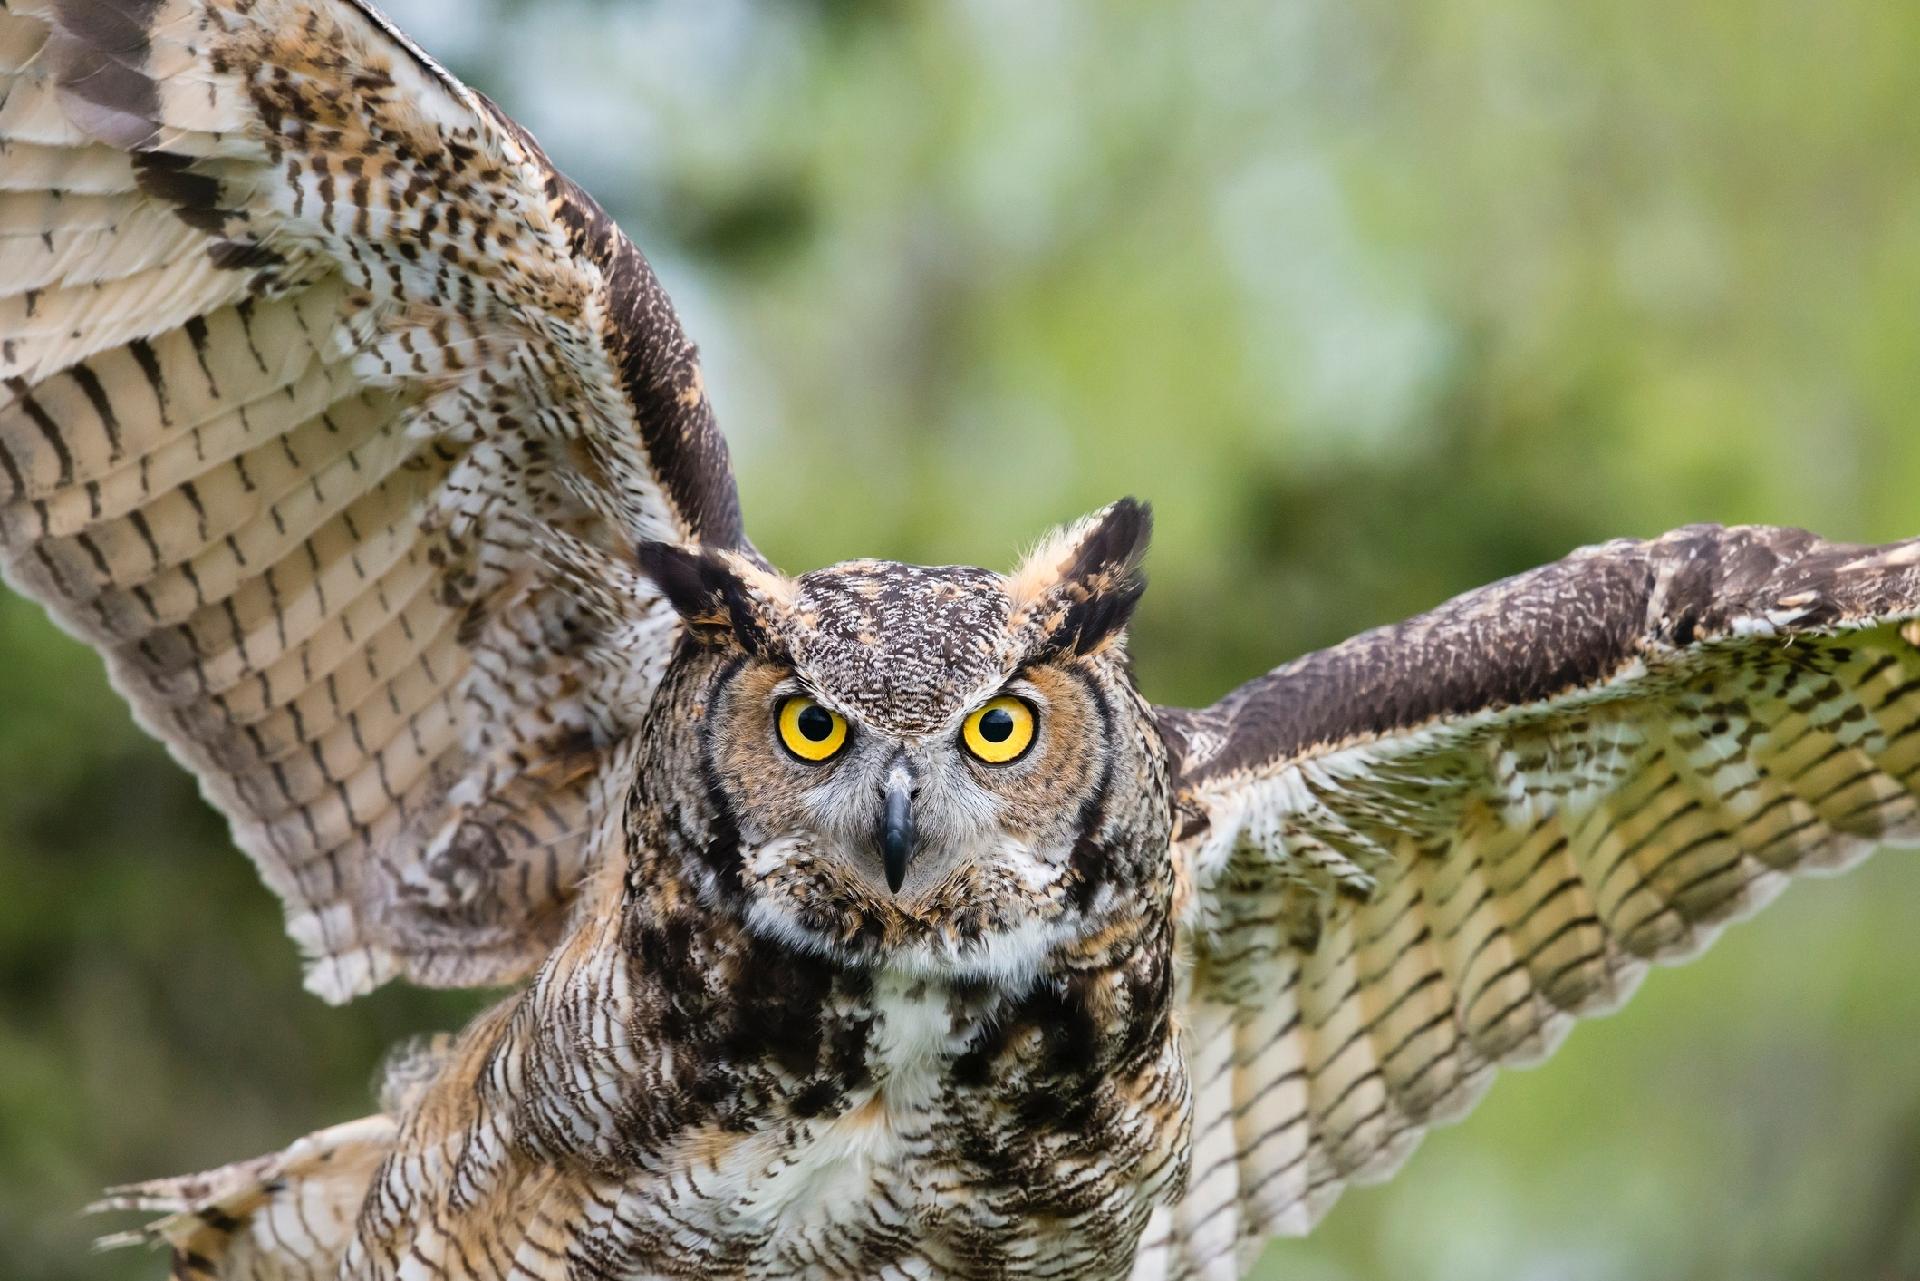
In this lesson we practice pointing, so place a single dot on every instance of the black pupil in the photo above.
(815, 724)
(997, 725)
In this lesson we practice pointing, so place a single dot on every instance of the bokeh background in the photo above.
(1375, 301)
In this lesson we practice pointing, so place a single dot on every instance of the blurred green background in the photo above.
(1375, 301)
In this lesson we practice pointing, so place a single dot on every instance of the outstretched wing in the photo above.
(328, 411)
(1420, 855)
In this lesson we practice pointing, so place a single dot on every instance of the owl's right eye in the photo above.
(810, 731)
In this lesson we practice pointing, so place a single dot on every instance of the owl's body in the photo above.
(865, 923)
(849, 1125)
(915, 1086)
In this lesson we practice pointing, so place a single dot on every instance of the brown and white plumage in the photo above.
(323, 395)
(375, 461)
(1420, 855)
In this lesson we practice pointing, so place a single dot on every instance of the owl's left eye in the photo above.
(810, 731)
(1001, 731)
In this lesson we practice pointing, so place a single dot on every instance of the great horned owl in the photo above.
(868, 923)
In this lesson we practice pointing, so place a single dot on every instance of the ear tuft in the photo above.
(1080, 586)
(720, 596)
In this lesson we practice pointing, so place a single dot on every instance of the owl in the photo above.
(864, 923)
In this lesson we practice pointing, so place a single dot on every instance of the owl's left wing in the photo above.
(1422, 854)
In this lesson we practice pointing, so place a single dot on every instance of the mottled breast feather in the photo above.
(330, 413)
(1421, 854)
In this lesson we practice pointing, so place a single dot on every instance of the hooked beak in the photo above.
(896, 827)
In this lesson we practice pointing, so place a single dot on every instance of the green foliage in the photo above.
(1376, 302)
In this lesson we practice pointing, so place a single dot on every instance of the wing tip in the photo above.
(339, 977)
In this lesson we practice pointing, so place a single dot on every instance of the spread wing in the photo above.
(1420, 855)
(327, 412)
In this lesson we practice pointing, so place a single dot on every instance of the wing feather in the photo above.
(310, 368)
(1426, 853)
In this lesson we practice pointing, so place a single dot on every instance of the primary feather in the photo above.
(1422, 854)
(307, 358)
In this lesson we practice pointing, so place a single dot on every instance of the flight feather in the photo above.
(1422, 854)
(330, 412)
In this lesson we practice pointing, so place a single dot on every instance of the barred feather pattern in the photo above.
(328, 412)
(1384, 916)
(284, 1217)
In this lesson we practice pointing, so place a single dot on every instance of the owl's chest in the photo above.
(972, 1140)
(872, 1137)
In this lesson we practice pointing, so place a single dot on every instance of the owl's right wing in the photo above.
(329, 413)
(1419, 856)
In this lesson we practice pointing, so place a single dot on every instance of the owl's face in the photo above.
(943, 769)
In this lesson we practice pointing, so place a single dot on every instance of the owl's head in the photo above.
(945, 770)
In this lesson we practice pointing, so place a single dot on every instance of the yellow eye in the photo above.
(809, 730)
(1001, 731)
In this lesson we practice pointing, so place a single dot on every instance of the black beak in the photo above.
(896, 832)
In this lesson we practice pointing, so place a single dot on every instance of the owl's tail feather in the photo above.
(288, 1214)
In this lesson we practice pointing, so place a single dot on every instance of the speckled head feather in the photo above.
(907, 646)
